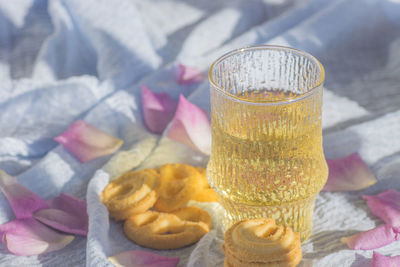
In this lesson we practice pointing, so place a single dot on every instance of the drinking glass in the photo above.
(266, 157)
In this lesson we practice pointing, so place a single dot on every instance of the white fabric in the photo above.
(66, 60)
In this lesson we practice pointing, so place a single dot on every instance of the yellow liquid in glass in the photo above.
(267, 160)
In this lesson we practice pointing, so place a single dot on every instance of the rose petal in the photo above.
(372, 239)
(86, 142)
(67, 214)
(348, 174)
(139, 258)
(191, 126)
(386, 206)
(379, 260)
(188, 75)
(23, 201)
(29, 237)
(158, 110)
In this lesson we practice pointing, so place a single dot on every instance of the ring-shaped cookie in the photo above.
(168, 230)
(179, 183)
(132, 193)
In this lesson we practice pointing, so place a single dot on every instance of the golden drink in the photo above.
(267, 158)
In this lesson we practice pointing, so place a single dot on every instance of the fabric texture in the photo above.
(61, 61)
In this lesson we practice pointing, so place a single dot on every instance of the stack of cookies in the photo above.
(260, 242)
(152, 202)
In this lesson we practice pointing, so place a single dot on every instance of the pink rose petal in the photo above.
(29, 237)
(139, 258)
(86, 142)
(158, 110)
(191, 126)
(379, 260)
(188, 75)
(23, 201)
(67, 214)
(386, 206)
(348, 174)
(374, 238)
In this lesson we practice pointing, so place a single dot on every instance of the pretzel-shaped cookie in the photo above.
(260, 242)
(179, 183)
(168, 230)
(132, 193)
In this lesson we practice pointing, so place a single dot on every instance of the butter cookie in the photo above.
(179, 183)
(132, 193)
(260, 242)
(160, 230)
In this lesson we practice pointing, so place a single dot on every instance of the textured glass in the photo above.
(267, 158)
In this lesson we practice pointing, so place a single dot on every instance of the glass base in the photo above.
(297, 215)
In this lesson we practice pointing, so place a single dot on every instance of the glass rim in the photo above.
(267, 47)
